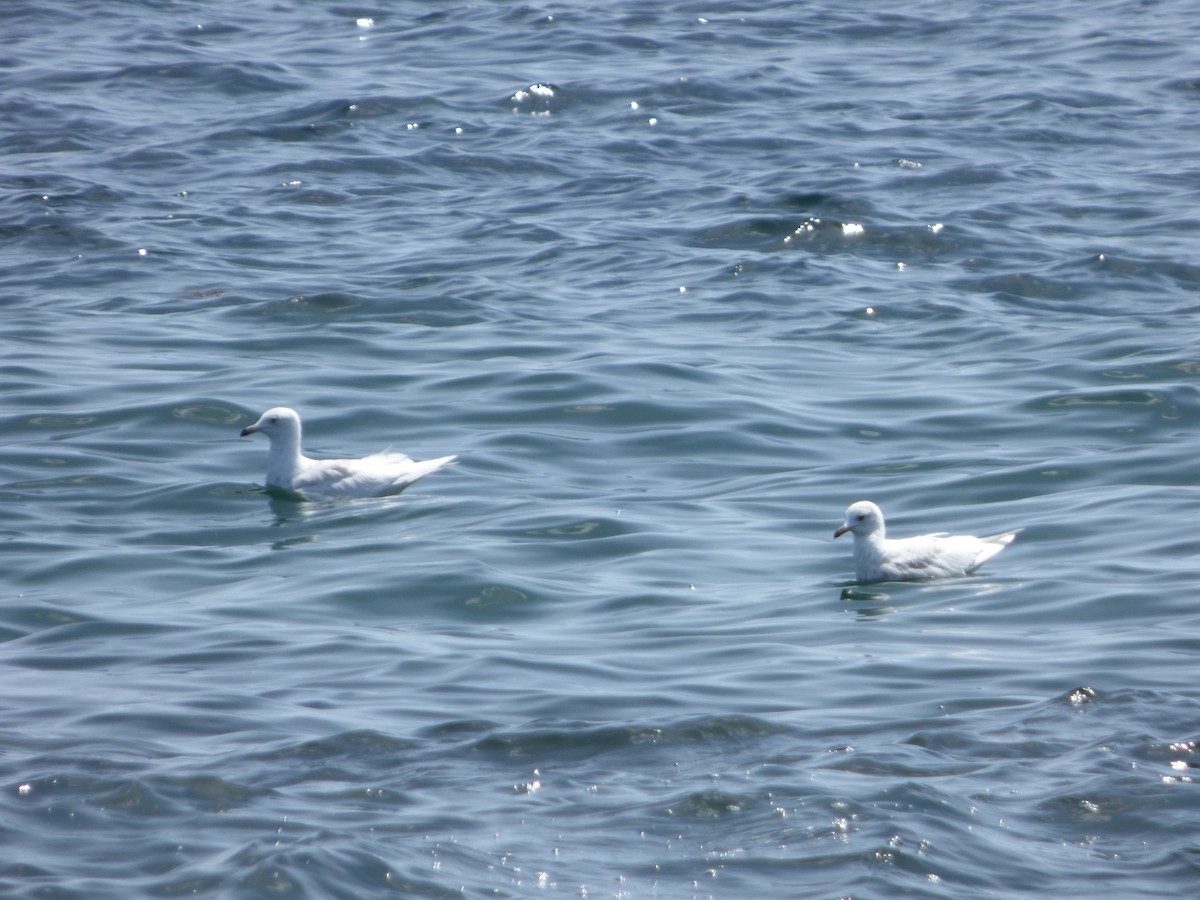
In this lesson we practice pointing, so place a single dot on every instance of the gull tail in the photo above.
(993, 544)
(420, 468)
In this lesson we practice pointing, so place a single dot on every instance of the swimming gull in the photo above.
(876, 558)
(372, 476)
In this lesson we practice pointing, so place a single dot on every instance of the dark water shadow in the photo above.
(869, 604)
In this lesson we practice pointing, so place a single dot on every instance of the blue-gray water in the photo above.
(737, 266)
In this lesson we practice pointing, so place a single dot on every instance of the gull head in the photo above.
(862, 518)
(273, 422)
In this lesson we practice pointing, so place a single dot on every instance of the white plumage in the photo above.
(878, 558)
(371, 476)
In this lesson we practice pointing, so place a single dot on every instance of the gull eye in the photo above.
(862, 517)
(274, 420)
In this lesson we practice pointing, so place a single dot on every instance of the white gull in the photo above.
(372, 476)
(876, 558)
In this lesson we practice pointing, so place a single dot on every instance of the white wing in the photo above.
(372, 476)
(940, 555)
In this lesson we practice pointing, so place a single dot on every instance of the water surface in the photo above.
(678, 284)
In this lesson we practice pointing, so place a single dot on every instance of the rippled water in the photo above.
(678, 283)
